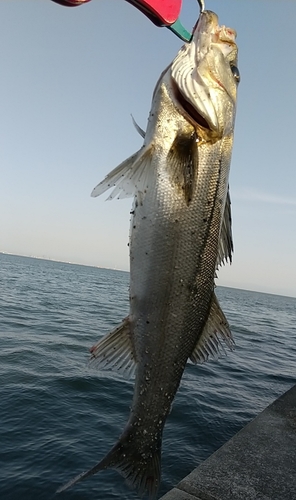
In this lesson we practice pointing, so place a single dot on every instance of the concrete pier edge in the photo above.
(258, 463)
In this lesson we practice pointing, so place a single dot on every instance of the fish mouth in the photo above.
(189, 110)
(201, 73)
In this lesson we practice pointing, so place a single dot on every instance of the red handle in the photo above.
(161, 12)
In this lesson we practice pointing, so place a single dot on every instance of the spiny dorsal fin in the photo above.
(183, 161)
(115, 351)
(138, 128)
(226, 243)
(129, 177)
(215, 330)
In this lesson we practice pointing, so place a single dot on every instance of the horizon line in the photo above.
(50, 259)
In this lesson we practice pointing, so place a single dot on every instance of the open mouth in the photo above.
(190, 110)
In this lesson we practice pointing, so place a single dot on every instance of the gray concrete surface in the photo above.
(258, 463)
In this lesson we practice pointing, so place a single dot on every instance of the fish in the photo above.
(180, 235)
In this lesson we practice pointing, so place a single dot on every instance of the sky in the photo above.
(70, 80)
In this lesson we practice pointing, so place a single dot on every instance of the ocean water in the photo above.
(58, 416)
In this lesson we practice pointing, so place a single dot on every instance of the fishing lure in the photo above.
(160, 12)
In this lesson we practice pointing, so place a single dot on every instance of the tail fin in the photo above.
(140, 468)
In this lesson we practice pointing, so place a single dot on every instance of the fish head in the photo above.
(205, 77)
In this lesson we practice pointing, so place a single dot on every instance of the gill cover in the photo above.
(202, 71)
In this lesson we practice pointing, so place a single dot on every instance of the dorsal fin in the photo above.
(138, 128)
(226, 243)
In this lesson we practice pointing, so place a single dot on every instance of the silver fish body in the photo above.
(180, 234)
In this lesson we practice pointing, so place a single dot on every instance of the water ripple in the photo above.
(59, 417)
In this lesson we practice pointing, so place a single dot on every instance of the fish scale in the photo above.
(180, 233)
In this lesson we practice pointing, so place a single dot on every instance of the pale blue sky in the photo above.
(70, 78)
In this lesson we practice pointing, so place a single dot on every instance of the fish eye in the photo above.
(235, 73)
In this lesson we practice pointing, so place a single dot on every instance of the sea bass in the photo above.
(180, 234)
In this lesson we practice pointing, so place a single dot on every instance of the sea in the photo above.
(59, 415)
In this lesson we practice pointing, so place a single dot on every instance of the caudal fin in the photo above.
(140, 468)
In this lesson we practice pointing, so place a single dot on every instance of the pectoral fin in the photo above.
(131, 176)
(183, 163)
(115, 351)
(215, 330)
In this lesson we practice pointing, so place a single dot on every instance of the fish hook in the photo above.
(201, 5)
(179, 30)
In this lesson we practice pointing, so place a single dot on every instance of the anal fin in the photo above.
(115, 351)
(216, 332)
